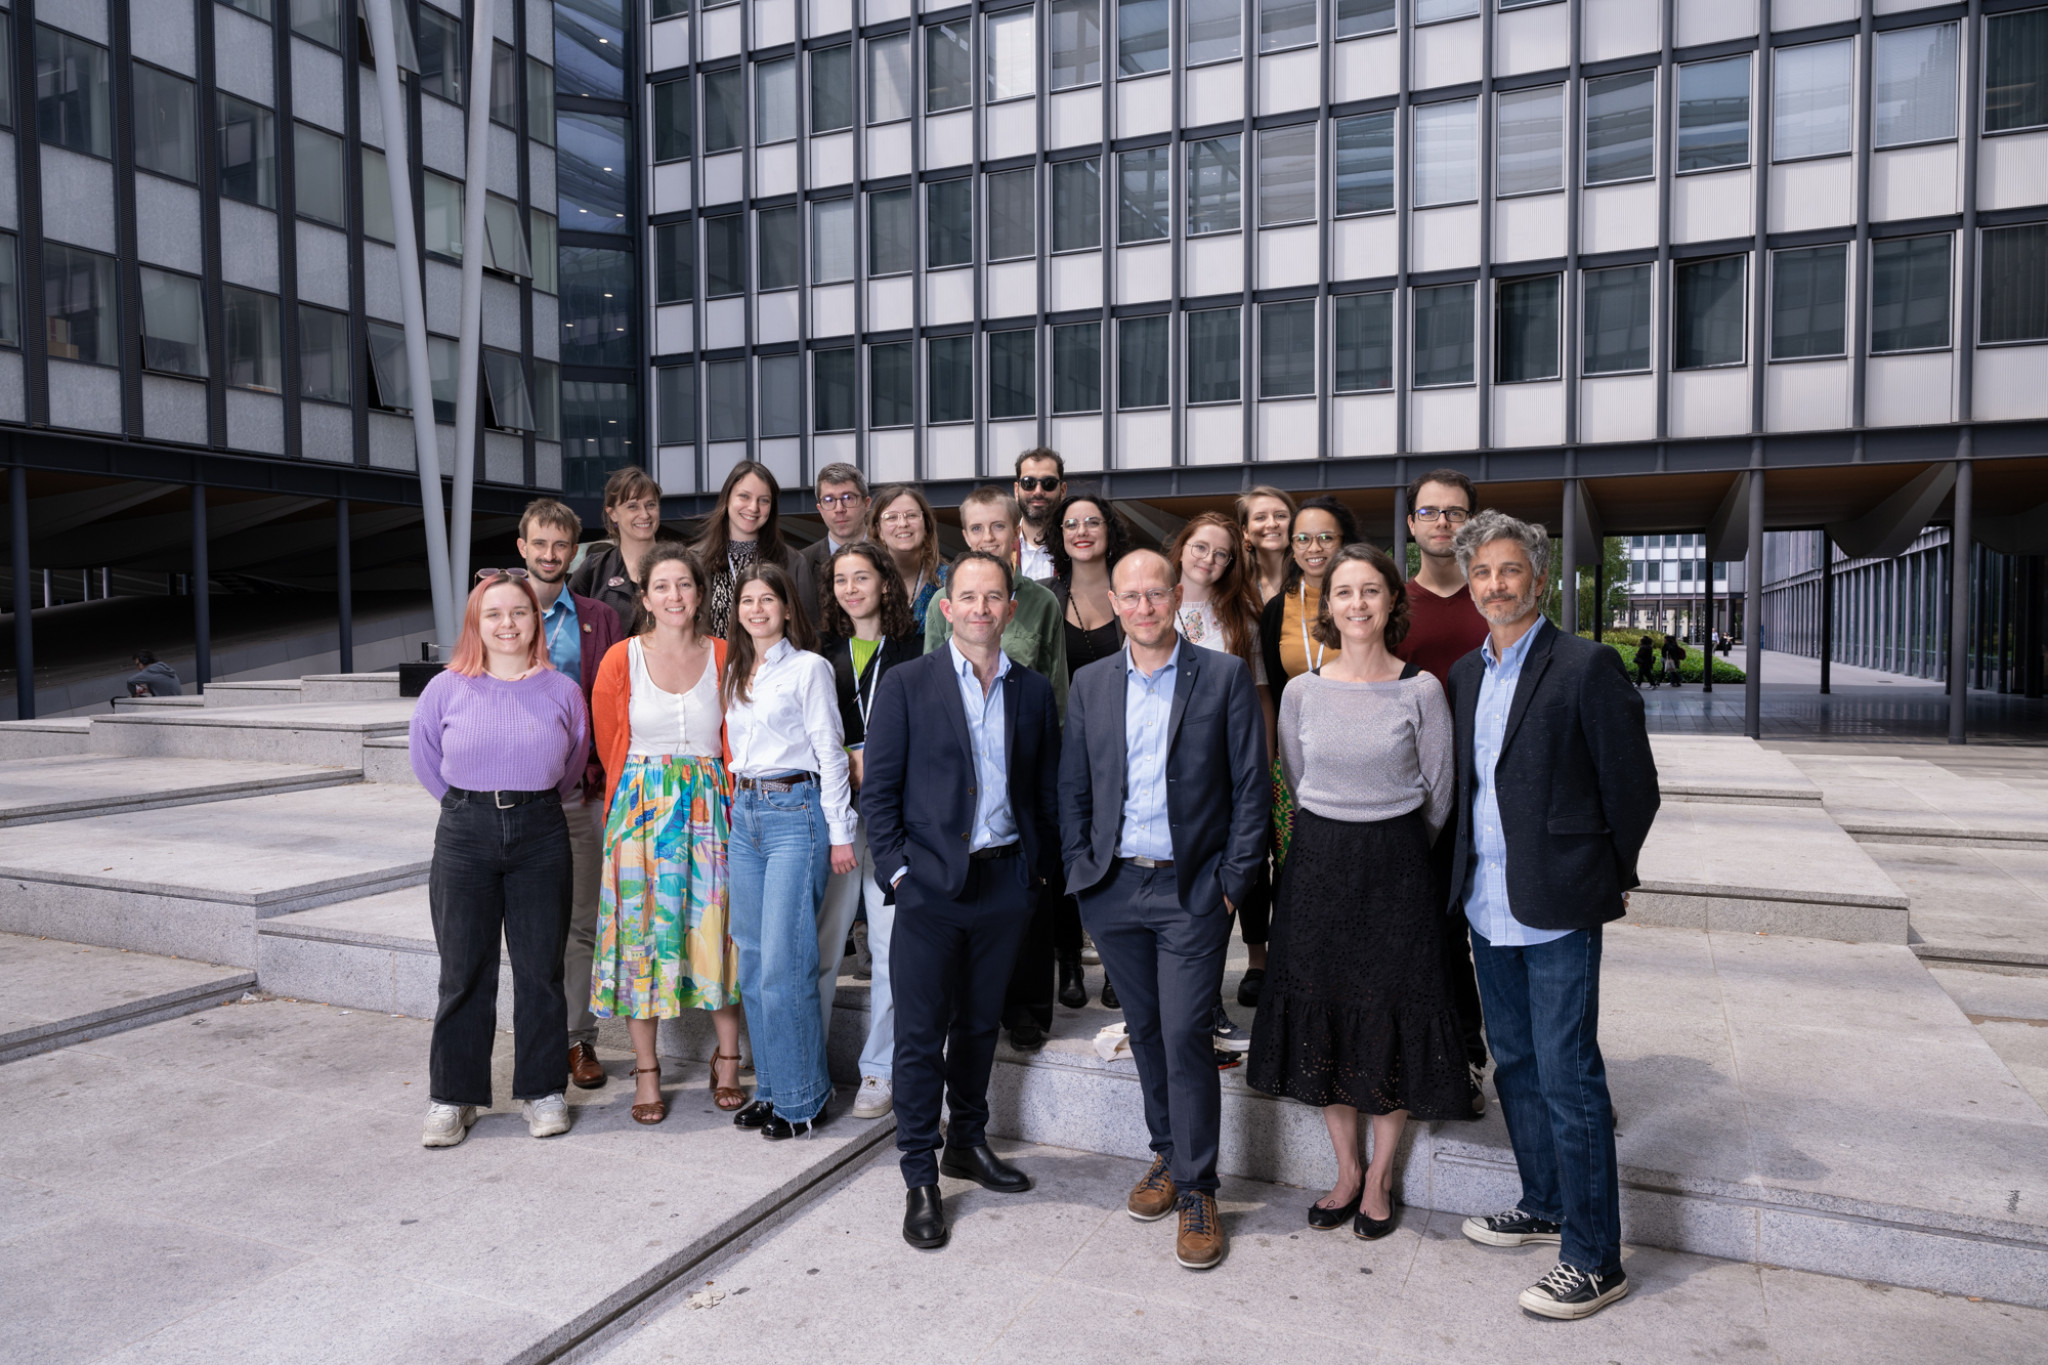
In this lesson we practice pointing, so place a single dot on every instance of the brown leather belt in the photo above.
(773, 784)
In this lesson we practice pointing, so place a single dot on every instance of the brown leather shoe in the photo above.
(584, 1068)
(1201, 1243)
(1152, 1198)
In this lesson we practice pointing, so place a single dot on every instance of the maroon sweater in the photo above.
(1441, 630)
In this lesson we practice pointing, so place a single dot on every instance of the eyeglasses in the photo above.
(1456, 516)
(1081, 524)
(849, 501)
(1324, 539)
(903, 519)
(482, 574)
(1203, 554)
(1151, 597)
(1032, 484)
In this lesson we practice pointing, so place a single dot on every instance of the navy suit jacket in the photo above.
(918, 785)
(1218, 792)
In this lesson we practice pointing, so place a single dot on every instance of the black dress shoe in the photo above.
(1329, 1220)
(778, 1128)
(1073, 985)
(984, 1168)
(754, 1115)
(1109, 1000)
(1369, 1229)
(1248, 989)
(924, 1218)
(1027, 1037)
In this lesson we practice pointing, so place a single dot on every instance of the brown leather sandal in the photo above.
(726, 1097)
(657, 1111)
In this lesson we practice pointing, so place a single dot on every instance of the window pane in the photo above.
(1526, 346)
(1365, 164)
(1287, 175)
(1364, 16)
(319, 20)
(390, 381)
(1076, 43)
(1916, 85)
(675, 9)
(6, 77)
(441, 54)
(2016, 70)
(889, 385)
(775, 101)
(675, 263)
(173, 324)
(1617, 326)
(725, 400)
(441, 215)
(782, 396)
(319, 186)
(1077, 368)
(1706, 303)
(1287, 349)
(1364, 338)
(248, 155)
(2014, 302)
(504, 85)
(597, 306)
(725, 256)
(1286, 23)
(1713, 114)
(1806, 302)
(540, 101)
(1213, 30)
(590, 48)
(504, 238)
(1810, 101)
(1621, 120)
(832, 390)
(546, 253)
(505, 387)
(949, 222)
(592, 169)
(10, 292)
(1013, 374)
(672, 121)
(1213, 374)
(779, 261)
(1012, 214)
(892, 233)
(165, 140)
(948, 68)
(1140, 36)
(249, 328)
(1446, 152)
(1076, 205)
(1011, 52)
(1144, 185)
(1443, 335)
(324, 355)
(889, 79)
(1530, 138)
(1215, 191)
(949, 379)
(833, 241)
(376, 179)
(600, 428)
(832, 89)
(1429, 11)
(675, 405)
(725, 110)
(1909, 294)
(1142, 351)
(71, 93)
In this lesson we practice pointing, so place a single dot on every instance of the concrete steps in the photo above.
(328, 734)
(43, 738)
(55, 994)
(73, 787)
(1895, 800)
(369, 952)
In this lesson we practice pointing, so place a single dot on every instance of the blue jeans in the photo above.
(776, 864)
(1542, 1021)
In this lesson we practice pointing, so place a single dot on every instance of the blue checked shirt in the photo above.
(565, 639)
(1148, 708)
(994, 822)
(1486, 899)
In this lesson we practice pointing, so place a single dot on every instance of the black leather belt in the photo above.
(989, 855)
(1150, 863)
(773, 784)
(505, 800)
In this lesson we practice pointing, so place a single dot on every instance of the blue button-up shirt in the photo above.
(994, 822)
(564, 635)
(1486, 895)
(1148, 709)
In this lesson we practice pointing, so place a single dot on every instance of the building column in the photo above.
(1753, 611)
(1400, 528)
(1567, 572)
(1827, 610)
(344, 589)
(202, 597)
(1959, 606)
(24, 604)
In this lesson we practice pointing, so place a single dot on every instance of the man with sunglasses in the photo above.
(1041, 483)
(843, 503)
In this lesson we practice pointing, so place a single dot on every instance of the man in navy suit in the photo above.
(1164, 800)
(961, 849)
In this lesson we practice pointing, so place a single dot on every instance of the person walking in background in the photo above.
(901, 522)
(663, 942)
(579, 631)
(1265, 515)
(1557, 788)
(1163, 810)
(1320, 528)
(962, 766)
(632, 518)
(743, 528)
(792, 826)
(868, 632)
(843, 505)
(499, 739)
(1674, 660)
(1646, 664)
(1357, 1012)
(1041, 481)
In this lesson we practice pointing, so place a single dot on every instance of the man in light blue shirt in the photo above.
(994, 824)
(1148, 705)
(1486, 899)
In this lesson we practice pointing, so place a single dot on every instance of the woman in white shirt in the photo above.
(792, 825)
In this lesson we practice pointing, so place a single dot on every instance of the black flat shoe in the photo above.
(778, 1128)
(754, 1115)
(1329, 1220)
(1109, 1000)
(1073, 985)
(1027, 1037)
(924, 1218)
(1369, 1229)
(1248, 989)
(984, 1168)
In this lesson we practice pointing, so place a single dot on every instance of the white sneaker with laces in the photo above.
(875, 1098)
(447, 1124)
(547, 1115)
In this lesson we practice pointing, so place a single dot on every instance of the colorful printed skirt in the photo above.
(663, 944)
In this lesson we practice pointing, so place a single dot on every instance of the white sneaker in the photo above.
(547, 1115)
(1090, 957)
(875, 1098)
(447, 1124)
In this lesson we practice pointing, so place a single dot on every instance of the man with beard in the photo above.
(578, 631)
(1556, 792)
(1041, 483)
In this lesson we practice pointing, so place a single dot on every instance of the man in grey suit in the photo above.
(1163, 806)
(843, 503)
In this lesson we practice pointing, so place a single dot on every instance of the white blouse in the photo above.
(791, 724)
(1200, 625)
(672, 723)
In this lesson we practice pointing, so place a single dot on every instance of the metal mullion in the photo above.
(1041, 170)
(1108, 188)
(750, 279)
(358, 329)
(1856, 330)
(287, 229)
(920, 242)
(1248, 222)
(1966, 319)
(699, 304)
(529, 441)
(1400, 320)
(127, 257)
(1325, 154)
(1573, 286)
(861, 244)
(212, 299)
(1482, 349)
(802, 58)
(1664, 286)
(1758, 297)
(28, 162)
(977, 234)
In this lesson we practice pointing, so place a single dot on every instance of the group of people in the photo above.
(674, 781)
(1671, 652)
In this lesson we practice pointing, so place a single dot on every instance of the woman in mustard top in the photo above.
(1321, 527)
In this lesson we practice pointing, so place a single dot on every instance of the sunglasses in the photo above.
(1033, 484)
(482, 574)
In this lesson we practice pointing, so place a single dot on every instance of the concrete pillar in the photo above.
(1568, 572)
(1401, 528)
(24, 604)
(202, 615)
(1827, 610)
(344, 588)
(1959, 606)
(1707, 635)
(1753, 612)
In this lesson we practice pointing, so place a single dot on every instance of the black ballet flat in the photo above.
(1369, 1229)
(1329, 1220)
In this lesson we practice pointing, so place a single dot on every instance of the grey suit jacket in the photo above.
(810, 565)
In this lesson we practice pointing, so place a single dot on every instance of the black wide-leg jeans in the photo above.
(499, 873)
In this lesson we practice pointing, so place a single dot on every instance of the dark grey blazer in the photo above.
(810, 563)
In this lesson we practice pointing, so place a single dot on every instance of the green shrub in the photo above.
(1688, 668)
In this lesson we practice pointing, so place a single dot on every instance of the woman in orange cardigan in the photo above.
(662, 940)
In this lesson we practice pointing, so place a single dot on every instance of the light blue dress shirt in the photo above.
(1148, 709)
(994, 822)
(1486, 899)
(564, 634)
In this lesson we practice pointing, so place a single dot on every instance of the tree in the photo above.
(1614, 572)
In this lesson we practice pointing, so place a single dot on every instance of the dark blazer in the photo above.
(837, 651)
(598, 626)
(1576, 784)
(918, 725)
(807, 568)
(1218, 791)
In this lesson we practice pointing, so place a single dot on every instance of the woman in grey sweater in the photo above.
(1356, 1013)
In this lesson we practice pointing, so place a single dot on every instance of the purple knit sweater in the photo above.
(484, 734)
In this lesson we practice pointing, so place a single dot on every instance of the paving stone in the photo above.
(1897, 799)
(1727, 768)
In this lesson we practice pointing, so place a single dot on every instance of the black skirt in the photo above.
(1356, 1009)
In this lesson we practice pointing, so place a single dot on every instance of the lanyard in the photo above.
(1317, 666)
(865, 704)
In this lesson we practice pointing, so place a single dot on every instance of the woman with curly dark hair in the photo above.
(1087, 540)
(1321, 527)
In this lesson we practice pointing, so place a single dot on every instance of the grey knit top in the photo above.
(1368, 751)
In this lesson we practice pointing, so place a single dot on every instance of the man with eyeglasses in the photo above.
(1041, 482)
(843, 503)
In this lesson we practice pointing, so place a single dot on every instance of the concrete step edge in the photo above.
(304, 897)
(197, 796)
(121, 1018)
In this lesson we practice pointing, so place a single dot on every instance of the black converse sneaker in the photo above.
(1570, 1293)
(1512, 1229)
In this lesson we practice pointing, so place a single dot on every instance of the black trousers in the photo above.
(1033, 984)
(949, 967)
(499, 873)
(1457, 955)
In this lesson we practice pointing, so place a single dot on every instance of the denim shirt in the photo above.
(1486, 896)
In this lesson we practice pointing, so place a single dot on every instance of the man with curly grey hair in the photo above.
(1556, 792)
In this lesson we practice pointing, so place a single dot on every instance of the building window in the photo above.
(166, 140)
(1443, 335)
(590, 55)
(2014, 301)
(676, 9)
(1621, 126)
(1215, 186)
(1077, 368)
(889, 385)
(1526, 330)
(675, 405)
(248, 153)
(80, 307)
(949, 223)
(1432, 11)
(1916, 85)
(1076, 32)
(1077, 205)
(1013, 374)
(892, 233)
(1529, 141)
(2016, 71)
(725, 111)
(1144, 188)
(1617, 323)
(504, 86)
(1808, 288)
(1010, 50)
(675, 263)
(324, 355)
(832, 89)
(1012, 215)
(832, 380)
(948, 68)
(949, 379)
(6, 76)
(390, 381)
(319, 186)
(443, 360)
(1287, 175)
(1143, 347)
(1446, 153)
(504, 242)
(1141, 36)
(782, 395)
(1909, 294)
(1214, 30)
(441, 53)
(1358, 17)
(10, 292)
(779, 248)
(1286, 23)
(1364, 177)
(1287, 349)
(540, 101)
(546, 252)
(441, 215)
(173, 324)
(1362, 328)
(71, 93)
(834, 241)
(1713, 114)
(672, 121)
(376, 183)
(1810, 103)
(511, 407)
(1214, 374)
(319, 20)
(889, 79)
(1706, 306)
(725, 256)
(725, 400)
(774, 101)
(249, 330)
